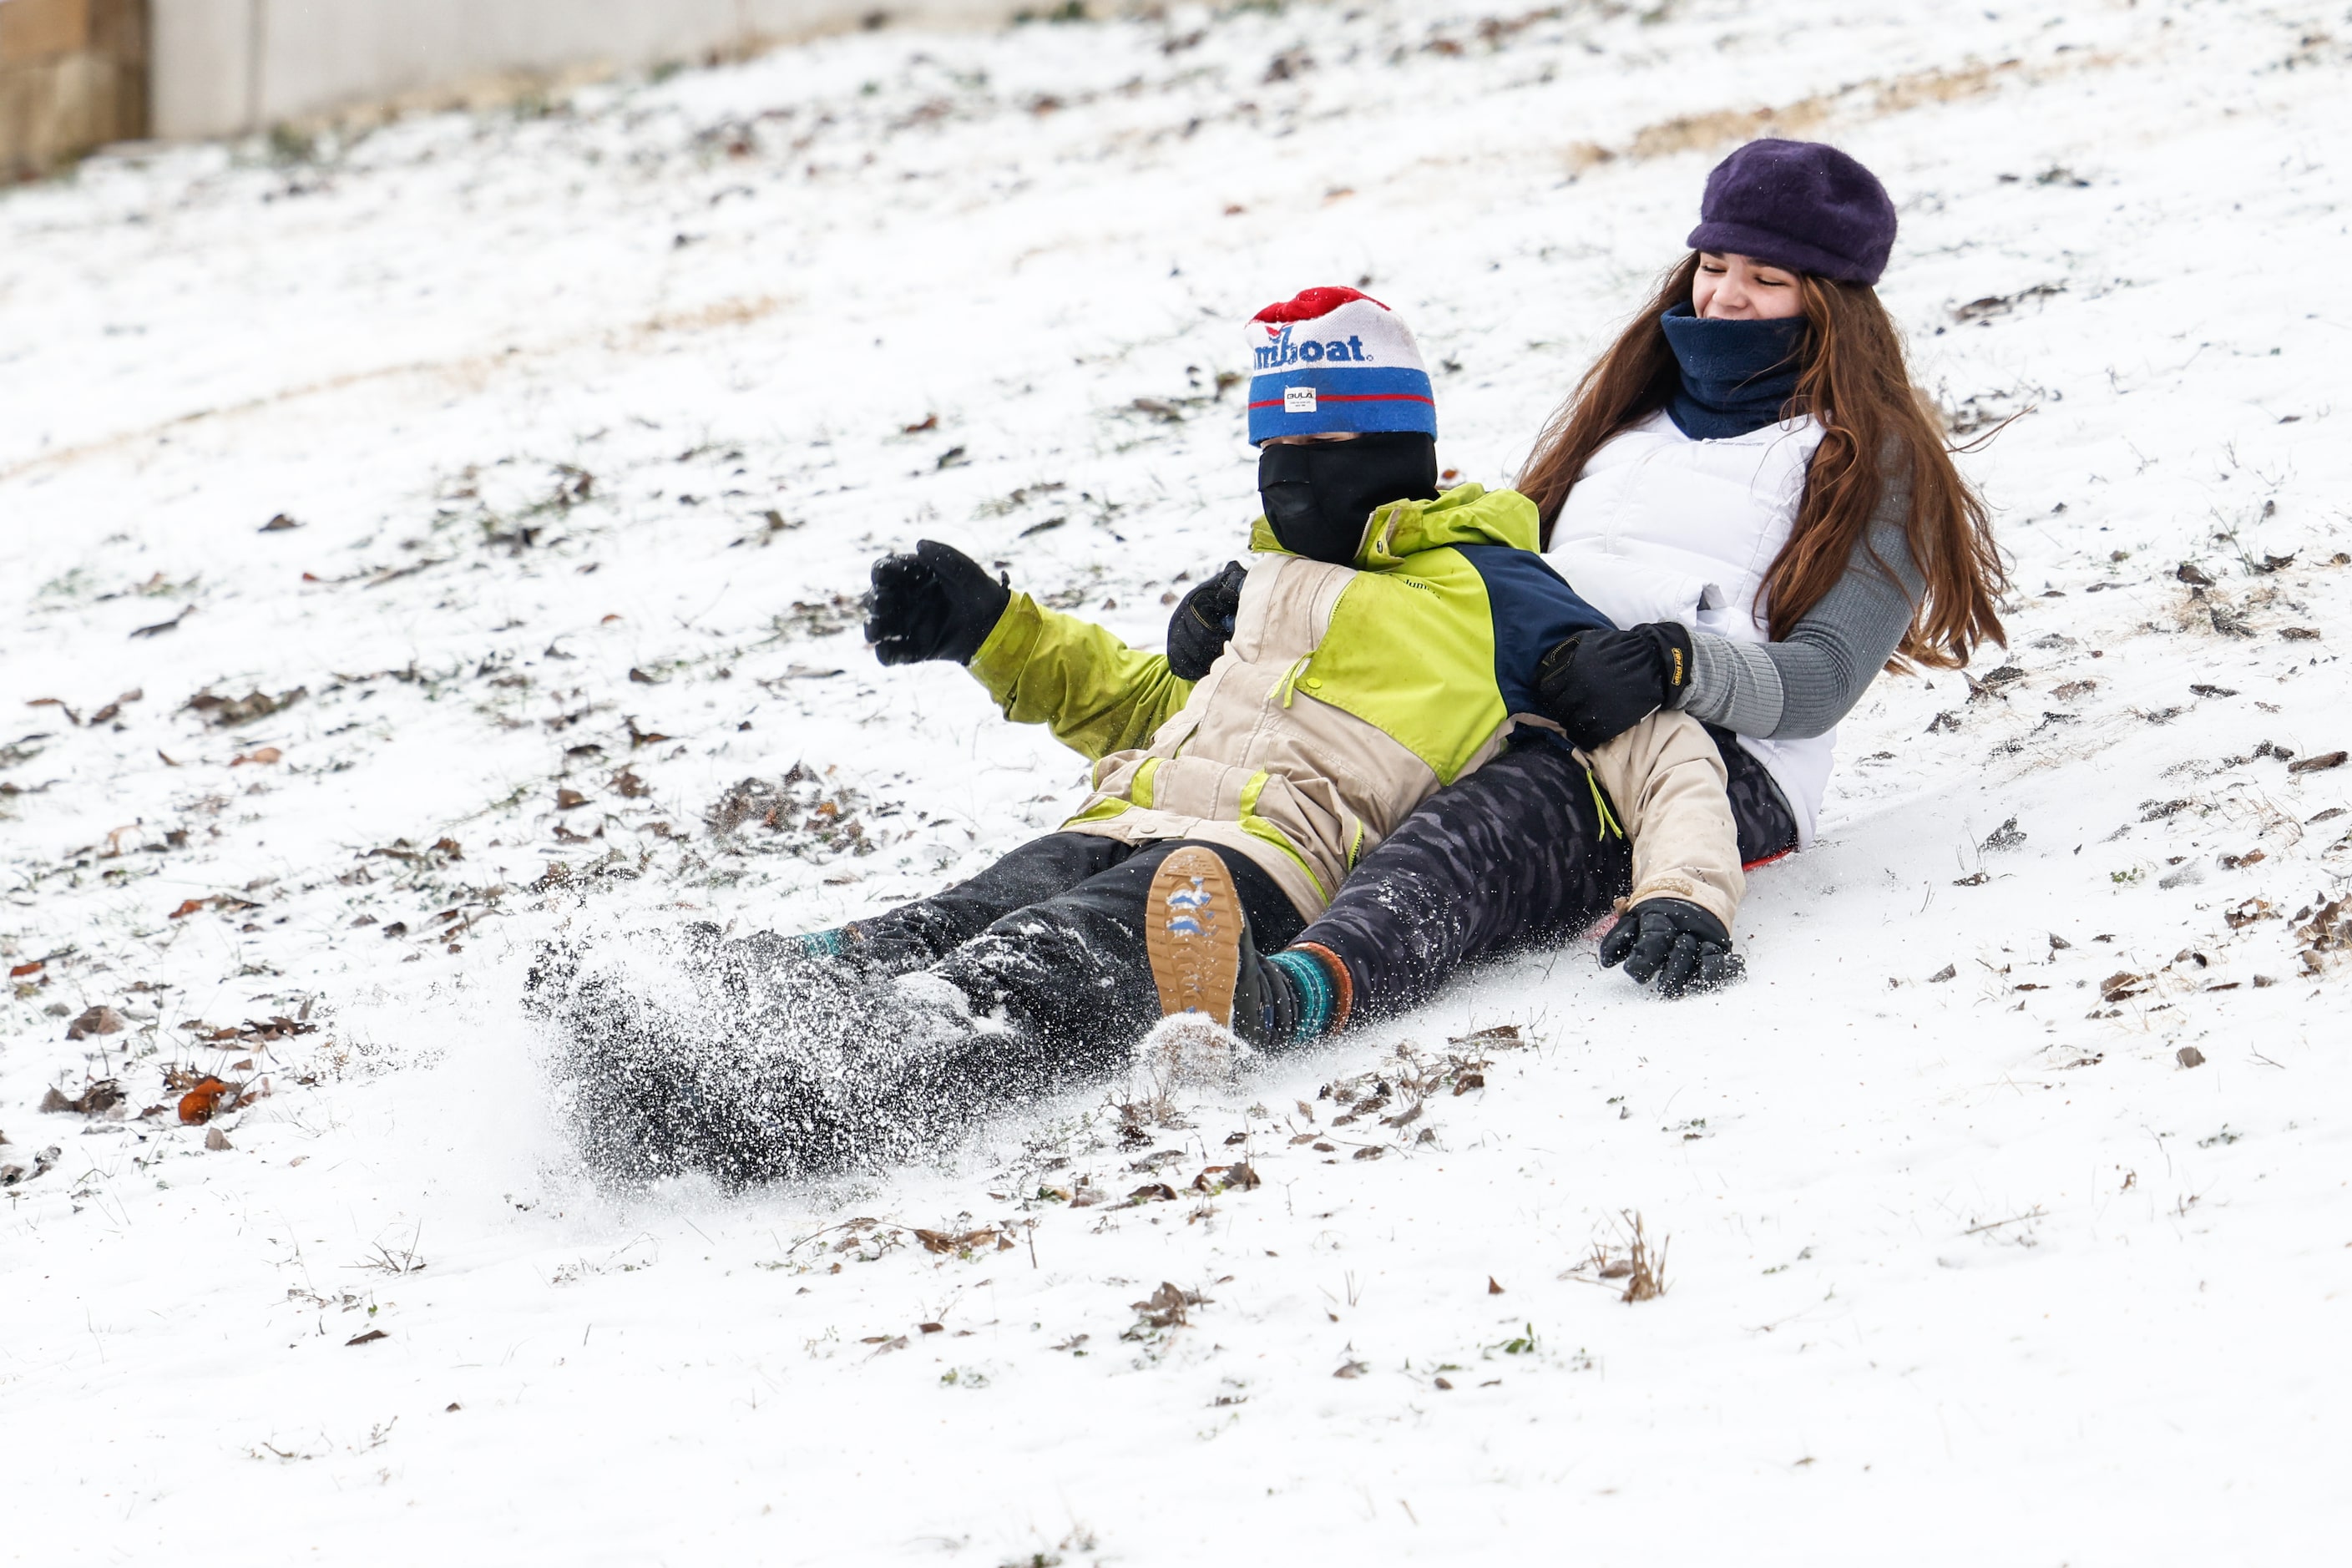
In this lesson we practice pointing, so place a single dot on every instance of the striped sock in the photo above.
(1313, 997)
(824, 944)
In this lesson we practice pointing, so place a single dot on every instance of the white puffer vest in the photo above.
(1664, 528)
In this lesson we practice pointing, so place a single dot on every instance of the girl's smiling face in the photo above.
(1741, 288)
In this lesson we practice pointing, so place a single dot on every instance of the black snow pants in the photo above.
(754, 1058)
(1516, 855)
(1051, 937)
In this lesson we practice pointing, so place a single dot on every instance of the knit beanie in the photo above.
(1334, 361)
(1799, 205)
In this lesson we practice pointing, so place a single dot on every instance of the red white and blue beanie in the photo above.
(1331, 362)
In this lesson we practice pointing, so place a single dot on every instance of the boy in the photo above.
(1384, 638)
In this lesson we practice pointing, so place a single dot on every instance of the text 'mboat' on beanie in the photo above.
(1800, 204)
(1335, 361)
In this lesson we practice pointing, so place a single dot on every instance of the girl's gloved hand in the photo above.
(1203, 623)
(1680, 943)
(1598, 685)
(937, 602)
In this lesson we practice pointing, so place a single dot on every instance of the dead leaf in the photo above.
(187, 909)
(261, 755)
(1946, 972)
(2319, 763)
(22, 970)
(104, 1094)
(2006, 837)
(1170, 1305)
(1493, 1287)
(228, 711)
(2189, 1056)
(569, 799)
(947, 1241)
(1370, 1152)
(1241, 1176)
(95, 1021)
(200, 1104)
(2123, 982)
(366, 1339)
(43, 1163)
(216, 1140)
(1152, 1193)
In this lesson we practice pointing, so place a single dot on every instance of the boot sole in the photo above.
(1193, 933)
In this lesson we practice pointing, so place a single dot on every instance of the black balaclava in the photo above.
(1320, 494)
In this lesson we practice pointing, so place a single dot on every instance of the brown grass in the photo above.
(1644, 1271)
(1863, 101)
(1647, 1280)
(1725, 127)
(472, 372)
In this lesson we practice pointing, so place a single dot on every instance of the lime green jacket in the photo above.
(1346, 697)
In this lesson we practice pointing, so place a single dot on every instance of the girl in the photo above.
(1749, 486)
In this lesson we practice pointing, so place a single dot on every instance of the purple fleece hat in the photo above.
(1802, 204)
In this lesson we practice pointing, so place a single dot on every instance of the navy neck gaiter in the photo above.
(1735, 376)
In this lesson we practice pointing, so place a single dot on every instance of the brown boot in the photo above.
(1194, 932)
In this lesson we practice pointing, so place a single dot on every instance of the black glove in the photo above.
(937, 602)
(1203, 623)
(1599, 684)
(1676, 941)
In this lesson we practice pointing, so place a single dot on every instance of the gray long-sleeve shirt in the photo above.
(1803, 685)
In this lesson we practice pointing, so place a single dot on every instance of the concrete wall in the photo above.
(73, 73)
(229, 66)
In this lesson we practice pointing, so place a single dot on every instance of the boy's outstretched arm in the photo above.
(1096, 694)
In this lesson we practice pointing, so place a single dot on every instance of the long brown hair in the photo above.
(1876, 423)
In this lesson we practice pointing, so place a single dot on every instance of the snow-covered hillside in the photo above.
(410, 540)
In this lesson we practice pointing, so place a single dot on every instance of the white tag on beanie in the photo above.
(1298, 400)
